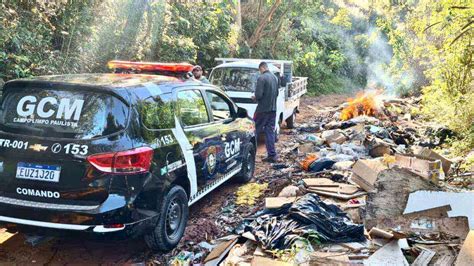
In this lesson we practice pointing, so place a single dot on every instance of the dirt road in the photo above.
(211, 217)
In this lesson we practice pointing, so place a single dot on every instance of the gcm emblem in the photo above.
(232, 147)
(56, 148)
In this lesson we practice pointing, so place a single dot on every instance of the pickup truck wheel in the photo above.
(248, 165)
(171, 222)
(290, 121)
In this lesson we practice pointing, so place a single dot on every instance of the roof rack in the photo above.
(285, 66)
(273, 61)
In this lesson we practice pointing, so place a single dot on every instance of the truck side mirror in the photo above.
(242, 113)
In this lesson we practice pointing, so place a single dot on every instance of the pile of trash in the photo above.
(366, 187)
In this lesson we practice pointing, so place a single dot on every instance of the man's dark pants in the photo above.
(265, 122)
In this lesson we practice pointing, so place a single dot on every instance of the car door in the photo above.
(223, 116)
(203, 135)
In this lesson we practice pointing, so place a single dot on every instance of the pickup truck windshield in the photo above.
(235, 79)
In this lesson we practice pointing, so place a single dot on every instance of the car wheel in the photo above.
(172, 221)
(290, 121)
(248, 165)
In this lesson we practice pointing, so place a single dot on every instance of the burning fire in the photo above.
(365, 103)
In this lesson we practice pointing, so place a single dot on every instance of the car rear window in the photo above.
(62, 113)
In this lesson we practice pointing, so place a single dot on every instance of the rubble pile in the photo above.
(355, 176)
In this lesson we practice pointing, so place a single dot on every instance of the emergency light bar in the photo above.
(150, 66)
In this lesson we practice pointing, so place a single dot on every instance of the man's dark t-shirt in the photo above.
(266, 92)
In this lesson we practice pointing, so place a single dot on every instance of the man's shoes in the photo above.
(270, 160)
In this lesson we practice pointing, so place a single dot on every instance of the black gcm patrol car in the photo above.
(117, 152)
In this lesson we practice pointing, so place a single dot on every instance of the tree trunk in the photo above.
(257, 34)
(238, 15)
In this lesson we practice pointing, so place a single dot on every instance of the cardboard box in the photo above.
(365, 172)
(422, 166)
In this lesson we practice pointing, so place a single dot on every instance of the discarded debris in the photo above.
(424, 258)
(327, 187)
(308, 216)
(390, 194)
(321, 164)
(219, 252)
(310, 158)
(262, 261)
(379, 233)
(390, 254)
(425, 168)
(466, 255)
(365, 168)
(365, 172)
(437, 212)
(427, 153)
(333, 136)
(247, 194)
(289, 191)
(460, 203)
(273, 203)
(330, 258)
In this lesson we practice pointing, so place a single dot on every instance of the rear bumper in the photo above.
(113, 215)
(75, 227)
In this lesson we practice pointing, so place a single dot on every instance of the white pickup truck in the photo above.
(238, 77)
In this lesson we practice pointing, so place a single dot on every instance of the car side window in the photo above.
(157, 112)
(192, 108)
(220, 108)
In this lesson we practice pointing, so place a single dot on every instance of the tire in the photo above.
(290, 121)
(172, 221)
(248, 165)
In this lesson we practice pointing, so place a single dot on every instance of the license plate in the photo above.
(40, 172)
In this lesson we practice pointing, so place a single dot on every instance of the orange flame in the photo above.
(365, 103)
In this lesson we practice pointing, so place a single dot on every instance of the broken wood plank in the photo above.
(456, 226)
(445, 260)
(320, 182)
(277, 202)
(262, 261)
(338, 196)
(424, 258)
(341, 189)
(379, 233)
(5, 235)
(437, 212)
(466, 255)
(354, 246)
(218, 253)
(329, 258)
(358, 256)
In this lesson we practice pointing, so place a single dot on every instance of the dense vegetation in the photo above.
(404, 46)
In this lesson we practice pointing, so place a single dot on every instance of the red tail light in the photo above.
(123, 162)
(114, 226)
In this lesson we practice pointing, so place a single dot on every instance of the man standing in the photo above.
(266, 94)
(197, 73)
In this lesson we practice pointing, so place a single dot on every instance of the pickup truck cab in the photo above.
(238, 78)
(103, 153)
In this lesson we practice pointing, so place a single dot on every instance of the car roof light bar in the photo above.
(150, 66)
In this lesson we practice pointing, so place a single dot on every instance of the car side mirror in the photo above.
(242, 113)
